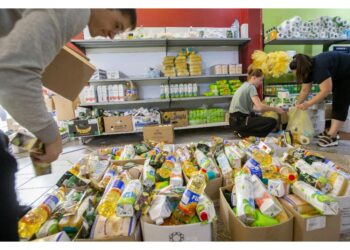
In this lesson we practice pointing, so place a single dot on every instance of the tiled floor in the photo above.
(31, 189)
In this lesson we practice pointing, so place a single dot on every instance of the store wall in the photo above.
(273, 17)
(206, 18)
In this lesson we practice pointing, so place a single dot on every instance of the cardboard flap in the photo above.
(67, 74)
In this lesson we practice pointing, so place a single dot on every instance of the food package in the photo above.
(176, 179)
(277, 187)
(339, 183)
(114, 226)
(50, 227)
(253, 167)
(234, 159)
(131, 193)
(149, 175)
(263, 199)
(309, 174)
(225, 167)
(206, 209)
(160, 209)
(299, 205)
(263, 220)
(128, 152)
(61, 236)
(245, 198)
(327, 205)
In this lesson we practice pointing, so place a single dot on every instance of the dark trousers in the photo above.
(252, 125)
(8, 201)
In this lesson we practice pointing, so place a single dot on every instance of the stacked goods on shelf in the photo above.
(144, 117)
(117, 121)
(202, 116)
(187, 62)
(223, 88)
(169, 66)
(164, 91)
(273, 89)
(176, 117)
(183, 90)
(226, 69)
(320, 28)
(195, 64)
(111, 93)
(99, 74)
(181, 64)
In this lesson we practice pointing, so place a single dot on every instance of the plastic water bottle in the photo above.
(235, 29)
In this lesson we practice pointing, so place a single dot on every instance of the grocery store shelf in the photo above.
(107, 43)
(207, 42)
(205, 77)
(201, 98)
(206, 125)
(136, 79)
(124, 102)
(202, 78)
(303, 41)
(134, 43)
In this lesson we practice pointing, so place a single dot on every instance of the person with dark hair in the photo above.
(30, 40)
(244, 102)
(331, 70)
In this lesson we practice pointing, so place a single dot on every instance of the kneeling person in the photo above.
(244, 102)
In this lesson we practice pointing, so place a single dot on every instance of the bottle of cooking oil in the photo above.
(108, 204)
(163, 173)
(30, 223)
(185, 160)
(188, 204)
(289, 174)
(263, 158)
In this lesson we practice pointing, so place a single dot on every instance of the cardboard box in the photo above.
(176, 117)
(212, 188)
(240, 232)
(64, 108)
(161, 133)
(136, 236)
(67, 74)
(85, 127)
(188, 232)
(118, 124)
(344, 206)
(315, 228)
(139, 121)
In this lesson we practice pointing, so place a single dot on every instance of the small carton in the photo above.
(187, 232)
(344, 206)
(65, 109)
(314, 228)
(116, 124)
(240, 232)
(160, 133)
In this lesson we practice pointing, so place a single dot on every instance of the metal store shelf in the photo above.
(207, 42)
(201, 98)
(125, 102)
(134, 43)
(205, 77)
(295, 41)
(136, 79)
(106, 43)
(207, 125)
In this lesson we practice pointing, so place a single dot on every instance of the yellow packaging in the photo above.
(339, 183)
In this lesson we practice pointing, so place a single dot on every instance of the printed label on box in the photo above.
(315, 223)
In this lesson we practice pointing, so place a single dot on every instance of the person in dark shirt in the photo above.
(331, 70)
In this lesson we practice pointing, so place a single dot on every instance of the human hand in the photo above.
(280, 110)
(303, 106)
(52, 151)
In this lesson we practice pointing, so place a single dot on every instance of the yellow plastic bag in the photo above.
(300, 122)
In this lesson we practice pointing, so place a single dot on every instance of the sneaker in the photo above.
(324, 134)
(327, 141)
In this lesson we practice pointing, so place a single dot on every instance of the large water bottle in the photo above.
(235, 29)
